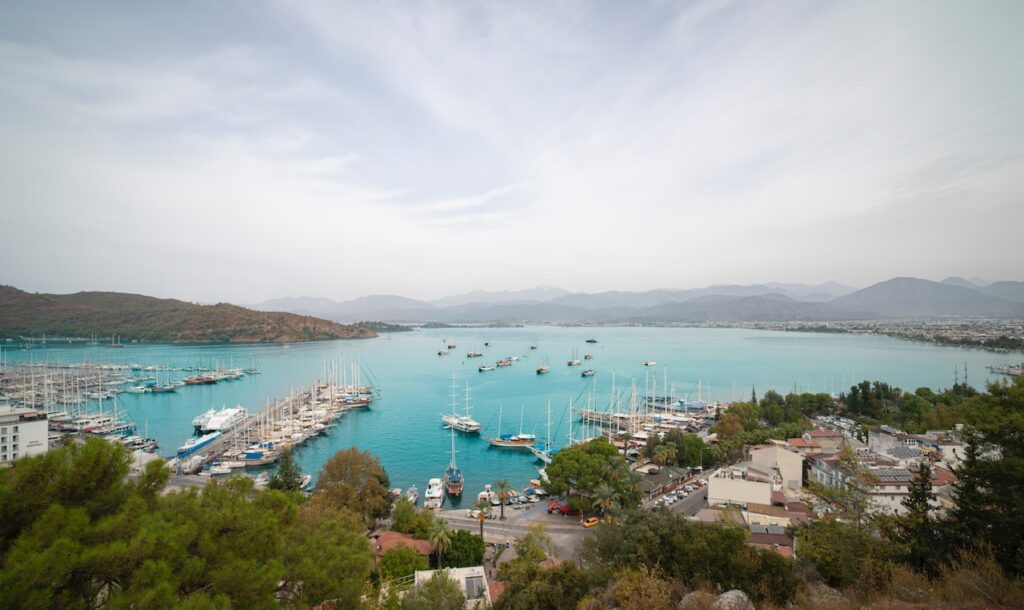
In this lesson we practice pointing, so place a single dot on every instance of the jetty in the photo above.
(285, 423)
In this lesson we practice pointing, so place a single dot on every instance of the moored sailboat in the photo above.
(453, 481)
(521, 440)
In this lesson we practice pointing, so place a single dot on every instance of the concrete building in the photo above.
(885, 438)
(472, 581)
(789, 463)
(744, 483)
(830, 441)
(23, 432)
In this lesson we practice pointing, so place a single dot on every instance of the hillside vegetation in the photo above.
(142, 318)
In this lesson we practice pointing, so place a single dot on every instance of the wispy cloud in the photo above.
(620, 146)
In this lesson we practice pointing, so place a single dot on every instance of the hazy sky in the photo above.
(242, 151)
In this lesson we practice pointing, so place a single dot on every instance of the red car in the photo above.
(564, 509)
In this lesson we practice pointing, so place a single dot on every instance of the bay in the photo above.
(403, 427)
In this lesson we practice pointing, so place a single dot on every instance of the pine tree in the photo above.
(916, 528)
(288, 476)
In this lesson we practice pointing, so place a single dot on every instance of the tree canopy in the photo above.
(355, 480)
(76, 534)
(579, 471)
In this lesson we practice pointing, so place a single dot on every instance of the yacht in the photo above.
(434, 496)
(587, 373)
(520, 440)
(485, 367)
(462, 423)
(649, 363)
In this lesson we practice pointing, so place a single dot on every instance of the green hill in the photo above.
(142, 318)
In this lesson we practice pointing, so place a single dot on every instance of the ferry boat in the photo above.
(434, 496)
(195, 444)
(224, 420)
(199, 421)
(453, 476)
(462, 423)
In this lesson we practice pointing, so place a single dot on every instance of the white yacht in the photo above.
(462, 423)
(434, 496)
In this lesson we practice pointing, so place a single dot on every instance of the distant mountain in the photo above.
(314, 306)
(384, 307)
(959, 281)
(138, 317)
(651, 298)
(537, 294)
(1013, 291)
(758, 308)
(913, 297)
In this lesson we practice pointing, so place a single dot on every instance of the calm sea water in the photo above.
(404, 429)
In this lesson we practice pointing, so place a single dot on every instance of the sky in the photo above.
(241, 151)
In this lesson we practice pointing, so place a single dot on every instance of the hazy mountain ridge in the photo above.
(914, 297)
(768, 302)
(138, 317)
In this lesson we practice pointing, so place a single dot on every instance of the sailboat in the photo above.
(543, 369)
(543, 451)
(453, 476)
(575, 360)
(512, 440)
(462, 423)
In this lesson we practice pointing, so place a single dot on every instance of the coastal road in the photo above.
(566, 532)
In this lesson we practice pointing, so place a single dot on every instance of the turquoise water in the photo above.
(404, 429)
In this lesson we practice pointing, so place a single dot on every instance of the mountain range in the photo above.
(143, 318)
(901, 297)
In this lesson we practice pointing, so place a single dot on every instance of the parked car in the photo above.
(590, 522)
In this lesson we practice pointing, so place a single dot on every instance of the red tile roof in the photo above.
(942, 477)
(799, 442)
(495, 588)
(389, 540)
(822, 433)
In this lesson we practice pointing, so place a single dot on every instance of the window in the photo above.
(15, 429)
(475, 587)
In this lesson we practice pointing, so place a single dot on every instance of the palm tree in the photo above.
(483, 506)
(604, 497)
(503, 487)
(663, 455)
(441, 540)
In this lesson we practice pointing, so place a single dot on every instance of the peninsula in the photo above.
(133, 317)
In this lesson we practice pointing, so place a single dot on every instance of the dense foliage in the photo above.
(354, 480)
(439, 592)
(75, 534)
(594, 476)
(690, 552)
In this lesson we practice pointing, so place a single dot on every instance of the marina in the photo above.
(414, 389)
